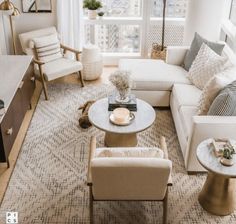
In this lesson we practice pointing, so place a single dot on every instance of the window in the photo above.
(131, 26)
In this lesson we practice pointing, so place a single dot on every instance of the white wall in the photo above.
(204, 17)
(31, 21)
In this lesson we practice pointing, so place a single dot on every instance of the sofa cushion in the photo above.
(195, 46)
(186, 116)
(206, 64)
(212, 88)
(150, 74)
(225, 102)
(186, 95)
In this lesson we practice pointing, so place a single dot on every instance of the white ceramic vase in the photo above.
(92, 14)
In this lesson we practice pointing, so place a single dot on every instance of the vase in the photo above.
(92, 14)
(123, 96)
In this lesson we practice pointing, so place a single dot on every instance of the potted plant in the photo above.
(92, 6)
(227, 155)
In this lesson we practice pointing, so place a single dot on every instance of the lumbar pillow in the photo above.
(133, 152)
(213, 87)
(195, 47)
(47, 48)
(225, 102)
(206, 64)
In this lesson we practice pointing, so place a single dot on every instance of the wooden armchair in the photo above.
(130, 174)
(49, 56)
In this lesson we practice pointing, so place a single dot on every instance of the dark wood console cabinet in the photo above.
(17, 85)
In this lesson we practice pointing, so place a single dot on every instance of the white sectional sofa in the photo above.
(165, 84)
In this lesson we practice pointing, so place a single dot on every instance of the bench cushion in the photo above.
(150, 74)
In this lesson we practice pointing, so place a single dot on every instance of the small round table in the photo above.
(121, 136)
(218, 195)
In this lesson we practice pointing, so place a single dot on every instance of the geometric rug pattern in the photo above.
(48, 184)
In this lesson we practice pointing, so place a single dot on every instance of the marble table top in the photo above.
(12, 70)
(208, 160)
(99, 117)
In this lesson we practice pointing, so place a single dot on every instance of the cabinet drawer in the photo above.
(11, 124)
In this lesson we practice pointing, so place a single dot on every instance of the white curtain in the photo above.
(70, 22)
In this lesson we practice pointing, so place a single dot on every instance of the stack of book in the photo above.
(2, 108)
(130, 105)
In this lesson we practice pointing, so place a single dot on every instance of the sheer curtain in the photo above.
(70, 22)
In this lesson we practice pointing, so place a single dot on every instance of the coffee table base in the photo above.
(218, 194)
(120, 140)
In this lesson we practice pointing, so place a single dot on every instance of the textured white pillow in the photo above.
(48, 48)
(206, 64)
(213, 87)
(133, 152)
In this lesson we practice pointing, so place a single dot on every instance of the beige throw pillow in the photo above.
(206, 64)
(213, 87)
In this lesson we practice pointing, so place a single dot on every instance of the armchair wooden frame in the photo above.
(40, 65)
(90, 184)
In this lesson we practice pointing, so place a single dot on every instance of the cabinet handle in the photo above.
(21, 84)
(9, 131)
(32, 79)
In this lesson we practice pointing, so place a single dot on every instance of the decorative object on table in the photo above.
(84, 120)
(121, 117)
(113, 104)
(13, 13)
(91, 59)
(122, 81)
(2, 108)
(218, 144)
(92, 6)
(227, 157)
(101, 14)
(36, 6)
(159, 51)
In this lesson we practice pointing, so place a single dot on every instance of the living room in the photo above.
(117, 111)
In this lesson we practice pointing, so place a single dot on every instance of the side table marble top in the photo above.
(208, 160)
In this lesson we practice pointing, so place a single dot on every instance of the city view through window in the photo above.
(112, 37)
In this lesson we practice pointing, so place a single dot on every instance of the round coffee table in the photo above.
(121, 136)
(218, 195)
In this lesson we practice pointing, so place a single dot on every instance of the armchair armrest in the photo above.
(39, 63)
(205, 127)
(175, 54)
(91, 155)
(76, 52)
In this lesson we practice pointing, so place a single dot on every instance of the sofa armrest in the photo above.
(205, 127)
(175, 54)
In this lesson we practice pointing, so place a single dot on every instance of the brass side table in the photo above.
(218, 195)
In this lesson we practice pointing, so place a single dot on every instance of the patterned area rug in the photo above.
(48, 184)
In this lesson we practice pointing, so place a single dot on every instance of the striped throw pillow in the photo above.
(225, 102)
(48, 48)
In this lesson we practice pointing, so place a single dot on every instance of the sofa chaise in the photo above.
(164, 84)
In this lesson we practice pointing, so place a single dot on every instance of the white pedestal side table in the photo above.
(121, 136)
(218, 195)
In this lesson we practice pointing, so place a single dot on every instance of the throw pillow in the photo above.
(225, 102)
(212, 88)
(134, 152)
(48, 48)
(206, 64)
(196, 45)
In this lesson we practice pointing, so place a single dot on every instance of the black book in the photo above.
(113, 104)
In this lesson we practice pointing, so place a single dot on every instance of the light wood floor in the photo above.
(5, 173)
